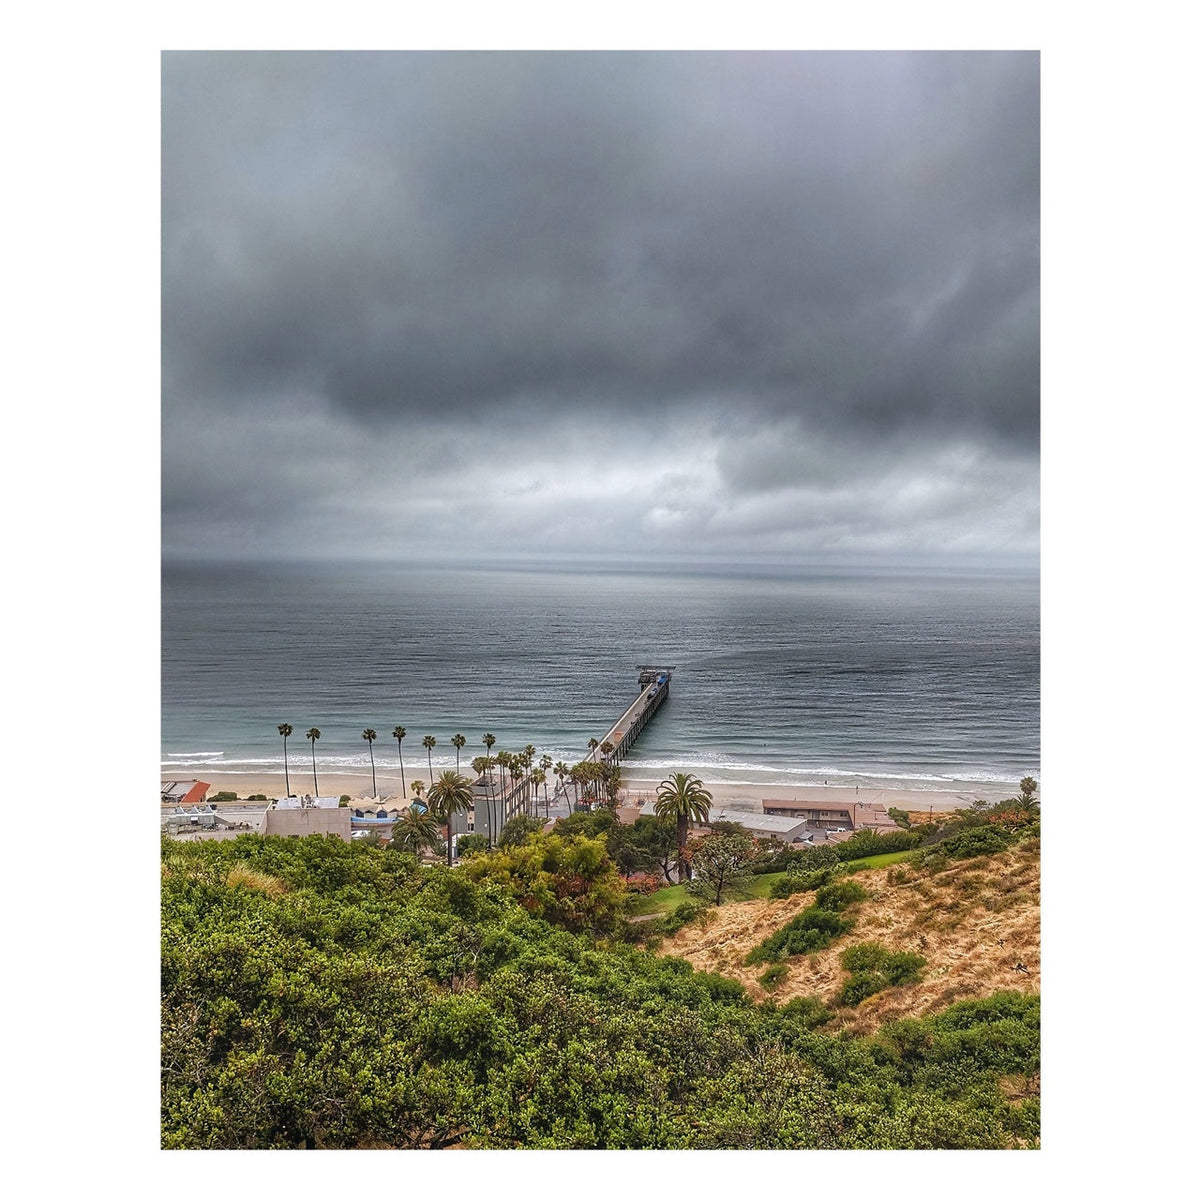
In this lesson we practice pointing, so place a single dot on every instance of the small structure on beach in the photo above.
(184, 791)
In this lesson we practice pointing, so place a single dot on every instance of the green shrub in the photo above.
(837, 897)
(858, 987)
(813, 929)
(808, 1010)
(773, 976)
(688, 911)
(866, 844)
(935, 862)
(874, 967)
(777, 860)
(226, 796)
(974, 841)
(809, 881)
(790, 885)
(815, 858)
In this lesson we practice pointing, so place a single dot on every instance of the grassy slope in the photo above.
(758, 887)
(973, 923)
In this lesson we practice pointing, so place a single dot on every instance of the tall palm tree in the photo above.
(286, 731)
(399, 733)
(416, 831)
(458, 742)
(592, 744)
(515, 770)
(312, 736)
(562, 773)
(429, 741)
(489, 740)
(612, 782)
(683, 799)
(418, 786)
(538, 776)
(369, 735)
(449, 795)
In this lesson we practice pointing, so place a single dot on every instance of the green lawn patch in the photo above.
(876, 860)
(666, 900)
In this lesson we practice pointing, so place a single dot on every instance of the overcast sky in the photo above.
(779, 307)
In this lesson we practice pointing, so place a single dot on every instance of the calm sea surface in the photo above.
(900, 681)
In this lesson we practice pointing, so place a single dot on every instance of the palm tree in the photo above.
(612, 782)
(286, 731)
(515, 770)
(312, 736)
(449, 795)
(682, 799)
(429, 741)
(538, 775)
(592, 744)
(489, 740)
(369, 735)
(418, 786)
(416, 831)
(399, 734)
(458, 742)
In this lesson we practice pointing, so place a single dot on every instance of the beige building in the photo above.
(283, 820)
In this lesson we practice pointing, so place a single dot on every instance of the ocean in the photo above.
(921, 681)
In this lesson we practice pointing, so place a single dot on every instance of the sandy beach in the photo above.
(358, 787)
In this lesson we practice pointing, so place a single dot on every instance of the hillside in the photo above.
(973, 922)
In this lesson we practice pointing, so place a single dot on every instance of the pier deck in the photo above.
(655, 683)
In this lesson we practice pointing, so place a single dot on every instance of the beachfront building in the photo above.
(493, 807)
(762, 825)
(184, 791)
(294, 816)
(847, 816)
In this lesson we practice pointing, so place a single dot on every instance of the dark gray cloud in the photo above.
(684, 302)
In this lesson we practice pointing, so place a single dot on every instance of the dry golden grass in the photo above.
(240, 875)
(974, 923)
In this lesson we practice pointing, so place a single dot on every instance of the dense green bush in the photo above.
(318, 994)
(813, 929)
(873, 968)
(471, 843)
(837, 897)
(867, 843)
(774, 860)
(974, 841)
(806, 881)
(808, 1010)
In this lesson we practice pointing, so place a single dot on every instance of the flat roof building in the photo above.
(785, 828)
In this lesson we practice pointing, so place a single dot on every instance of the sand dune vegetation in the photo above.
(976, 923)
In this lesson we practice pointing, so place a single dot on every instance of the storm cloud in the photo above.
(763, 305)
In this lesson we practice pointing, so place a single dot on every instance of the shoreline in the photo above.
(636, 787)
